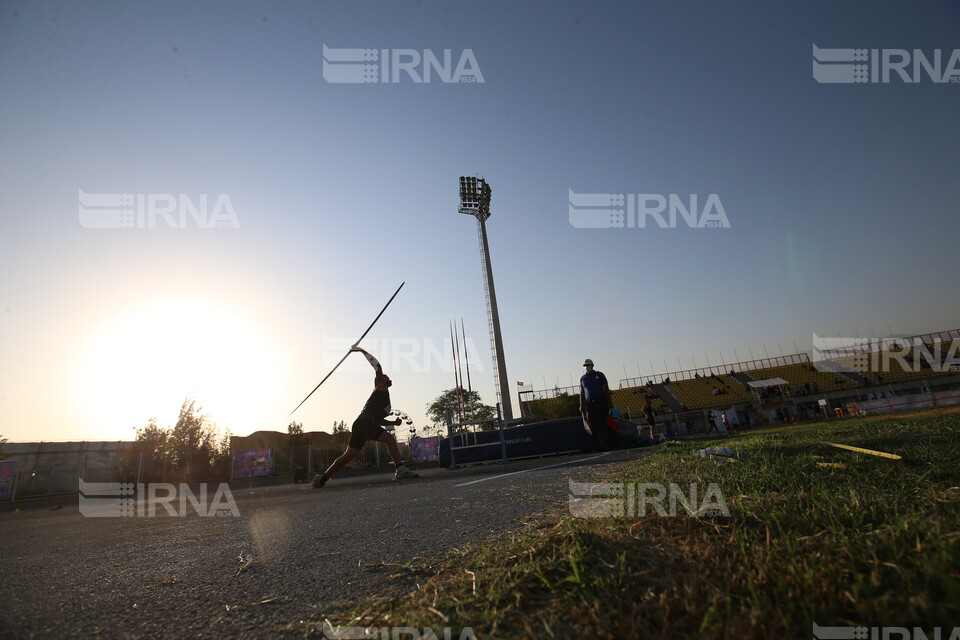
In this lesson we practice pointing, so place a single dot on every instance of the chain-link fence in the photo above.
(313, 460)
(54, 468)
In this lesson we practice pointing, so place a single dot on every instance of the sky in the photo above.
(316, 198)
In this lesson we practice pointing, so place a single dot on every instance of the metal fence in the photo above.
(467, 433)
(40, 469)
(723, 369)
(52, 468)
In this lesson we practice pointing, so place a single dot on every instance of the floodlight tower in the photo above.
(475, 201)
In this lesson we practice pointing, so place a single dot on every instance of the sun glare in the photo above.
(149, 359)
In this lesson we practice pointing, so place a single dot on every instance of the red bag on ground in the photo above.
(612, 423)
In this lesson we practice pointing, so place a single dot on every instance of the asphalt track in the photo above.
(63, 575)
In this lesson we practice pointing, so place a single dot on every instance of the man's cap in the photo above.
(588, 362)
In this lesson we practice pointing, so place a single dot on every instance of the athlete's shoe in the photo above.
(403, 473)
(318, 481)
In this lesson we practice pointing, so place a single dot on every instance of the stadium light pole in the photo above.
(475, 201)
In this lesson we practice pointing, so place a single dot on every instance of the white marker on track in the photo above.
(513, 473)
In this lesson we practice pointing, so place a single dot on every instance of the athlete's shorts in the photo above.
(361, 431)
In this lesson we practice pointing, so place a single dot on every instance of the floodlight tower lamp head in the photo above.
(475, 196)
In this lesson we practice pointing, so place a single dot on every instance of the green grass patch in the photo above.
(875, 543)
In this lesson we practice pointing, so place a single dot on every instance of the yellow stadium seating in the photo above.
(800, 374)
(697, 393)
(632, 399)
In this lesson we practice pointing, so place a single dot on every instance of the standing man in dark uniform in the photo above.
(370, 426)
(595, 403)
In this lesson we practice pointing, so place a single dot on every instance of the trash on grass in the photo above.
(245, 560)
(721, 455)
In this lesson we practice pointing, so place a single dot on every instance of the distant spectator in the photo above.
(715, 391)
(816, 388)
(726, 423)
(713, 422)
(650, 416)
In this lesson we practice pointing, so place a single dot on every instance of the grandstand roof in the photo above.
(769, 382)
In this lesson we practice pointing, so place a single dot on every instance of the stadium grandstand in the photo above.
(631, 401)
(845, 377)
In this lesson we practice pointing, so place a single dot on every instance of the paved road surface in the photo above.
(63, 575)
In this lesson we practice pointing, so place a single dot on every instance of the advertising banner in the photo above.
(252, 463)
(425, 449)
(7, 469)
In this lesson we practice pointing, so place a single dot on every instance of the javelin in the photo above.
(359, 340)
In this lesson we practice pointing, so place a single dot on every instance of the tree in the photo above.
(341, 435)
(189, 436)
(295, 435)
(153, 441)
(297, 452)
(195, 447)
(222, 457)
(473, 408)
(562, 405)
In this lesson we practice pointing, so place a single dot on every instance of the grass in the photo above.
(876, 543)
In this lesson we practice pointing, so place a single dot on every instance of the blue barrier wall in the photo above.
(543, 438)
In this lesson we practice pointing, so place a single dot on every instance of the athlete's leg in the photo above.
(403, 472)
(391, 442)
(340, 462)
